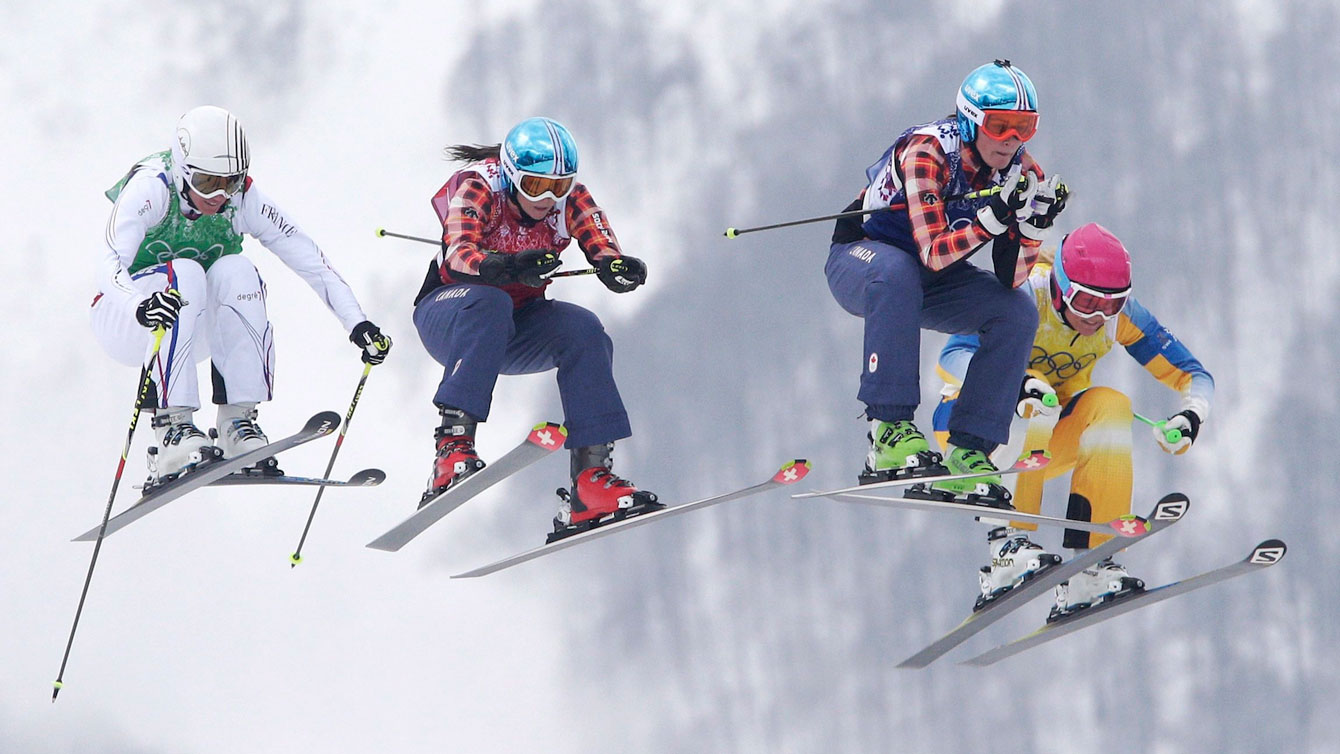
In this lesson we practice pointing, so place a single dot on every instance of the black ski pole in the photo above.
(296, 557)
(106, 514)
(737, 232)
(383, 232)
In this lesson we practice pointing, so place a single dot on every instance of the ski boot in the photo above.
(1102, 583)
(238, 433)
(456, 458)
(898, 450)
(1014, 560)
(988, 491)
(598, 496)
(179, 446)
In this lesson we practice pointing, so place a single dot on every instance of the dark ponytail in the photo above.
(472, 152)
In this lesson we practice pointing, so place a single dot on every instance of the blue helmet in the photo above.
(995, 86)
(543, 148)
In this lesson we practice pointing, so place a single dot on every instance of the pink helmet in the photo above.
(1092, 258)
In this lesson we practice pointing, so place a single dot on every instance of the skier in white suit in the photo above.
(172, 258)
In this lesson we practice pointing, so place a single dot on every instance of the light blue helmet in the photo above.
(538, 147)
(995, 86)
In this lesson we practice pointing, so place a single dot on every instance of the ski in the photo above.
(1168, 511)
(364, 478)
(1033, 461)
(790, 473)
(1264, 555)
(542, 440)
(1122, 527)
(156, 497)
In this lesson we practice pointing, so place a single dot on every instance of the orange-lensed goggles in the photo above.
(536, 187)
(1002, 124)
(208, 185)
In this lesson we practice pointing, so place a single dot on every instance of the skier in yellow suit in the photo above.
(1085, 307)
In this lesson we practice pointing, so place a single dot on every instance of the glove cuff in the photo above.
(990, 223)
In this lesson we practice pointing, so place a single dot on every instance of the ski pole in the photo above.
(383, 232)
(143, 393)
(1173, 436)
(296, 557)
(737, 232)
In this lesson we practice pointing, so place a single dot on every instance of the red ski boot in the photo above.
(599, 497)
(456, 459)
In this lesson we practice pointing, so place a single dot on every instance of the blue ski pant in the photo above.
(474, 332)
(897, 296)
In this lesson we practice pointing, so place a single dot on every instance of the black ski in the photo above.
(1264, 555)
(156, 497)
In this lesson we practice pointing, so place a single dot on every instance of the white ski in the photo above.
(1264, 555)
(790, 473)
(1123, 527)
(1168, 511)
(543, 439)
(364, 478)
(318, 426)
(1033, 461)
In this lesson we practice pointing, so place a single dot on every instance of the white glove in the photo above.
(1036, 398)
(1010, 205)
(1187, 424)
(1047, 202)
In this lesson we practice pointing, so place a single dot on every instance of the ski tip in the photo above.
(1032, 460)
(367, 478)
(323, 423)
(548, 435)
(792, 471)
(1171, 507)
(1268, 552)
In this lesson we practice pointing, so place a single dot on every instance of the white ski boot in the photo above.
(238, 433)
(1091, 586)
(179, 445)
(1014, 558)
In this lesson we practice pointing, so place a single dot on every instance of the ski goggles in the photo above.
(1088, 303)
(1002, 124)
(209, 185)
(537, 187)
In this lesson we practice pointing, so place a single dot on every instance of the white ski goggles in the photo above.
(209, 185)
(1088, 303)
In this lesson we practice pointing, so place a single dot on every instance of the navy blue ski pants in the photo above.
(897, 297)
(474, 332)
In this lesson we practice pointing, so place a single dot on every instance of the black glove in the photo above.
(369, 338)
(1002, 212)
(533, 267)
(496, 268)
(621, 274)
(1188, 422)
(160, 309)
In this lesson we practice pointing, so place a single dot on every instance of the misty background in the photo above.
(1202, 134)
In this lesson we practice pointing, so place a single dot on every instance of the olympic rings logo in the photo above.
(1063, 364)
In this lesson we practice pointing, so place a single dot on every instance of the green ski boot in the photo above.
(987, 489)
(898, 450)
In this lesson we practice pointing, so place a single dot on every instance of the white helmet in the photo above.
(209, 153)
